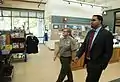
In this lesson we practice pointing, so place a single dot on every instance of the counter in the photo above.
(79, 64)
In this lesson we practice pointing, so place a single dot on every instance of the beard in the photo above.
(94, 27)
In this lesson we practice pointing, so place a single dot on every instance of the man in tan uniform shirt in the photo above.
(66, 46)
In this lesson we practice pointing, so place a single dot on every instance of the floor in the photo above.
(41, 68)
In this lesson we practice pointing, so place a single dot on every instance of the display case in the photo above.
(18, 41)
(6, 67)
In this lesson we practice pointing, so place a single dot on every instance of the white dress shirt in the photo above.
(96, 32)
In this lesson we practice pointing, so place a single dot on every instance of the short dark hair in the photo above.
(68, 30)
(99, 17)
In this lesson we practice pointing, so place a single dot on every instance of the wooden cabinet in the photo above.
(115, 56)
(79, 64)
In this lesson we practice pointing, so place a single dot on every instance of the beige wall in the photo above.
(112, 4)
(61, 8)
(25, 5)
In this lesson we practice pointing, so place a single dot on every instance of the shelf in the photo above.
(1, 70)
(118, 19)
(17, 50)
(18, 40)
(9, 77)
(117, 25)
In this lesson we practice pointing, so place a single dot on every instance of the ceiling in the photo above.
(96, 1)
(33, 1)
(36, 0)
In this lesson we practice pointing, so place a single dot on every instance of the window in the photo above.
(30, 20)
(6, 13)
(19, 22)
(5, 23)
(15, 13)
(24, 14)
(39, 15)
(32, 14)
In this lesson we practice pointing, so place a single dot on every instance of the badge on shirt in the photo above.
(68, 42)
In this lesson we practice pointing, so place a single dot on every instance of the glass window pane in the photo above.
(32, 14)
(5, 23)
(6, 13)
(40, 40)
(36, 27)
(19, 22)
(24, 13)
(15, 13)
(39, 15)
(33, 26)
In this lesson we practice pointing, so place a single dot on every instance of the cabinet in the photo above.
(6, 67)
(115, 56)
(79, 65)
(18, 41)
(117, 23)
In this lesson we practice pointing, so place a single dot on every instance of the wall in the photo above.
(113, 4)
(109, 18)
(25, 5)
(70, 20)
(61, 8)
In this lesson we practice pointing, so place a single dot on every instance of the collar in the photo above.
(97, 30)
(66, 37)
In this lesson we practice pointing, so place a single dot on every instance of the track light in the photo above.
(81, 4)
(104, 13)
(102, 7)
(68, 2)
(92, 6)
(85, 3)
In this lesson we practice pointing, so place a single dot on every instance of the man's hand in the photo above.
(76, 59)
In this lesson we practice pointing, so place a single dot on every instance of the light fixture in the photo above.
(92, 6)
(102, 7)
(81, 4)
(68, 2)
(104, 12)
(86, 3)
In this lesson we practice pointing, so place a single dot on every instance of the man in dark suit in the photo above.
(98, 48)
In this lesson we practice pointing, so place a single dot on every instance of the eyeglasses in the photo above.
(65, 31)
(93, 20)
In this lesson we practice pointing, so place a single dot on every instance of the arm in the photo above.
(108, 50)
(56, 55)
(57, 50)
(73, 45)
(80, 52)
(82, 48)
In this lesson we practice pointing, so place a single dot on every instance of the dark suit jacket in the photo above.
(101, 50)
